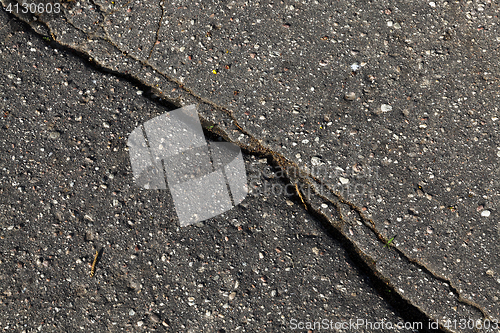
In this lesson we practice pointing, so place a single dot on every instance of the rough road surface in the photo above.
(381, 114)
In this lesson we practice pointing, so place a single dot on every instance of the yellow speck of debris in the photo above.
(92, 271)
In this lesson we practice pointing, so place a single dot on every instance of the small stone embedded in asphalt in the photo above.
(315, 160)
(131, 312)
(343, 180)
(351, 96)
(385, 108)
(485, 213)
(236, 223)
(357, 167)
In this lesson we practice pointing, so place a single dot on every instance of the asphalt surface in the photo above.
(383, 115)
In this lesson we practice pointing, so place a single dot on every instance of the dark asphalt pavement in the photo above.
(383, 115)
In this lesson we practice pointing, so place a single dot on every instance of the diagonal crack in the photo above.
(305, 179)
(307, 182)
(368, 223)
(256, 147)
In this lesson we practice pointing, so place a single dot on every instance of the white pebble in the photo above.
(485, 213)
(343, 180)
(385, 108)
(432, 4)
(316, 161)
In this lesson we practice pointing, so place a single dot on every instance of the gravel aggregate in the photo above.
(418, 142)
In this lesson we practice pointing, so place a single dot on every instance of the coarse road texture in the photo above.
(383, 113)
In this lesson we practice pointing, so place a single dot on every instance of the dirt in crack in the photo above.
(157, 30)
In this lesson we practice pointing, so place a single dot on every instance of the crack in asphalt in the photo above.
(104, 14)
(402, 255)
(256, 147)
(158, 30)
